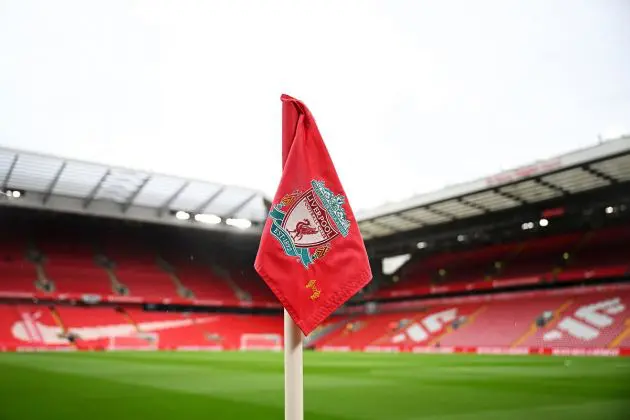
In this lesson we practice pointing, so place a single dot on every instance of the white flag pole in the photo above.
(293, 372)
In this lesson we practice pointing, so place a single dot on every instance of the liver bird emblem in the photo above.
(302, 228)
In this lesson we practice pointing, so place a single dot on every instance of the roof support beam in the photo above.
(409, 219)
(551, 186)
(241, 205)
(167, 204)
(508, 195)
(462, 200)
(377, 222)
(88, 200)
(440, 213)
(267, 204)
(135, 194)
(53, 183)
(7, 178)
(600, 174)
(203, 206)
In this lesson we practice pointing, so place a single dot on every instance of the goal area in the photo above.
(261, 342)
(136, 341)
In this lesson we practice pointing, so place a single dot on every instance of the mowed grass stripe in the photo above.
(66, 396)
(338, 386)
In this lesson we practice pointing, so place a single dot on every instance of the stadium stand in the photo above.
(248, 281)
(9, 318)
(603, 253)
(17, 274)
(99, 327)
(535, 259)
(576, 319)
(203, 282)
(573, 256)
(136, 268)
(587, 321)
(71, 267)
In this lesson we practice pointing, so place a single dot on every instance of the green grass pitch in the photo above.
(224, 386)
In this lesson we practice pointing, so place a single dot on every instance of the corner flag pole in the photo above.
(283, 260)
(293, 372)
(293, 336)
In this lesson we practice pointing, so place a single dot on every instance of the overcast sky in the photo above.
(410, 96)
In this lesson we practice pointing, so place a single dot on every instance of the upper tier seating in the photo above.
(538, 257)
(71, 266)
(563, 257)
(17, 274)
(203, 282)
(136, 268)
(249, 281)
(604, 253)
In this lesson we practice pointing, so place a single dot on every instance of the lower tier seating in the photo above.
(580, 318)
(565, 319)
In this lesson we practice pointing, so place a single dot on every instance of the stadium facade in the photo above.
(530, 260)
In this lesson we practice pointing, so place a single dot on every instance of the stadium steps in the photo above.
(129, 318)
(323, 332)
(42, 281)
(341, 335)
(386, 339)
(182, 290)
(106, 264)
(55, 315)
(117, 286)
(534, 328)
(59, 321)
(450, 329)
(226, 276)
(616, 342)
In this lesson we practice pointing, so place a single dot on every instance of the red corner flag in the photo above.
(311, 252)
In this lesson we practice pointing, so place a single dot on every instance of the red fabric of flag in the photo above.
(311, 253)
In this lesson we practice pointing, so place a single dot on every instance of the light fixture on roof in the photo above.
(182, 215)
(239, 223)
(210, 219)
(421, 245)
(610, 210)
(527, 225)
(461, 238)
(543, 222)
(12, 193)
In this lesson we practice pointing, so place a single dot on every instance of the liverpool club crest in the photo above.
(306, 222)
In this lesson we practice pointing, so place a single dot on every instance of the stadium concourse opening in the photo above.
(531, 261)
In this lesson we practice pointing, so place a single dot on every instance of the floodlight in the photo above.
(239, 223)
(182, 215)
(210, 219)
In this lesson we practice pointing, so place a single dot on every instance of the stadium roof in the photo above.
(68, 185)
(61, 184)
(599, 166)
